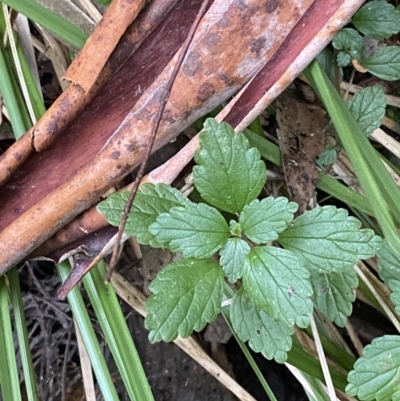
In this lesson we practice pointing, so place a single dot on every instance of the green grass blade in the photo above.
(345, 194)
(267, 149)
(360, 153)
(388, 187)
(50, 21)
(9, 363)
(23, 109)
(119, 339)
(82, 319)
(367, 221)
(308, 364)
(318, 392)
(5, 379)
(33, 90)
(10, 99)
(257, 127)
(22, 333)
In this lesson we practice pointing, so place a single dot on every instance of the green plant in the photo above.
(377, 20)
(279, 287)
(376, 374)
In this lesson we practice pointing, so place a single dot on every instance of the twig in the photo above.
(149, 148)
(322, 360)
(64, 367)
(78, 272)
(354, 338)
(86, 367)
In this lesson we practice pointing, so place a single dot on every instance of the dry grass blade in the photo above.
(86, 367)
(387, 141)
(390, 100)
(354, 338)
(17, 62)
(56, 52)
(92, 11)
(26, 41)
(68, 10)
(322, 360)
(393, 318)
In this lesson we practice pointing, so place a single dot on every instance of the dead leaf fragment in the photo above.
(301, 140)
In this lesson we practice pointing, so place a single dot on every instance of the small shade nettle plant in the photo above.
(280, 268)
(310, 267)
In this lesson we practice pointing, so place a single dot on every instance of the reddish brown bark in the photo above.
(74, 99)
(88, 64)
(233, 42)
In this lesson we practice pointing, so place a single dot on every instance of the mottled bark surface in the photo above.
(235, 40)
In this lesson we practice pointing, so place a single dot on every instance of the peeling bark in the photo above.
(234, 41)
(88, 64)
(74, 100)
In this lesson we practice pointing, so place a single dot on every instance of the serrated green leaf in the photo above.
(265, 335)
(389, 265)
(187, 295)
(328, 156)
(196, 230)
(233, 255)
(376, 375)
(385, 63)
(229, 174)
(343, 59)
(327, 239)
(334, 294)
(368, 107)
(150, 201)
(277, 282)
(261, 221)
(377, 19)
(235, 228)
(350, 42)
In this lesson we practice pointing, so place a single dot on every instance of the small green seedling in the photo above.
(376, 374)
(377, 20)
(311, 265)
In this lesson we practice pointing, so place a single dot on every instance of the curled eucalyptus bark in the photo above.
(235, 40)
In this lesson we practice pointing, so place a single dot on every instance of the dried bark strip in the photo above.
(72, 101)
(213, 70)
(311, 34)
(88, 64)
(86, 136)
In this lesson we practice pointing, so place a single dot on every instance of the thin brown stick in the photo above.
(163, 102)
